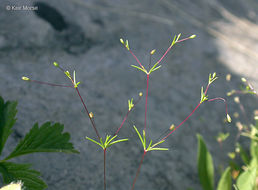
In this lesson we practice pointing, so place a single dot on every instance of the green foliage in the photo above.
(205, 165)
(47, 138)
(130, 104)
(7, 119)
(225, 182)
(150, 146)
(108, 142)
(30, 178)
(246, 181)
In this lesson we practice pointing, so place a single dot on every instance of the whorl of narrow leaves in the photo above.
(22, 172)
(47, 138)
(7, 119)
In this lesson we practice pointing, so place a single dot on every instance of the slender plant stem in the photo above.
(146, 102)
(85, 107)
(136, 59)
(169, 48)
(182, 122)
(128, 112)
(222, 99)
(50, 84)
(104, 169)
(138, 170)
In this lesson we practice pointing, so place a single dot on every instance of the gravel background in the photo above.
(84, 35)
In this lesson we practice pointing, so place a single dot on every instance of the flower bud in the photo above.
(122, 41)
(91, 115)
(140, 94)
(25, 78)
(229, 118)
(172, 127)
(193, 36)
(152, 51)
(243, 79)
(56, 64)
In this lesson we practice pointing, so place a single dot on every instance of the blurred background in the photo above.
(84, 35)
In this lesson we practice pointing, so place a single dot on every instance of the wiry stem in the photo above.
(138, 170)
(128, 112)
(104, 169)
(182, 122)
(85, 107)
(169, 48)
(207, 87)
(50, 84)
(136, 59)
(146, 102)
(222, 99)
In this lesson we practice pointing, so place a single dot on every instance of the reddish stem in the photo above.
(138, 170)
(85, 107)
(182, 122)
(127, 116)
(169, 48)
(50, 84)
(210, 100)
(136, 59)
(104, 169)
(146, 102)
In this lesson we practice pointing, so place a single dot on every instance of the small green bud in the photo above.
(243, 79)
(25, 78)
(127, 44)
(152, 51)
(122, 41)
(231, 155)
(193, 36)
(229, 118)
(56, 64)
(140, 94)
(214, 75)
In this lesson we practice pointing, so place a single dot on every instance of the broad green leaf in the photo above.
(15, 172)
(205, 165)
(7, 119)
(246, 180)
(47, 138)
(225, 182)
(243, 154)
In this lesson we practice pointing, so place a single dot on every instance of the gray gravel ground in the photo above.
(86, 39)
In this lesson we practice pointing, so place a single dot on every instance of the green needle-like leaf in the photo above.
(107, 137)
(112, 139)
(156, 144)
(47, 138)
(149, 145)
(7, 119)
(117, 141)
(95, 142)
(143, 70)
(139, 135)
(174, 41)
(15, 172)
(158, 149)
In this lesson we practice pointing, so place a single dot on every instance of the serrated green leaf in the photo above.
(246, 180)
(47, 138)
(205, 165)
(225, 182)
(15, 172)
(7, 119)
